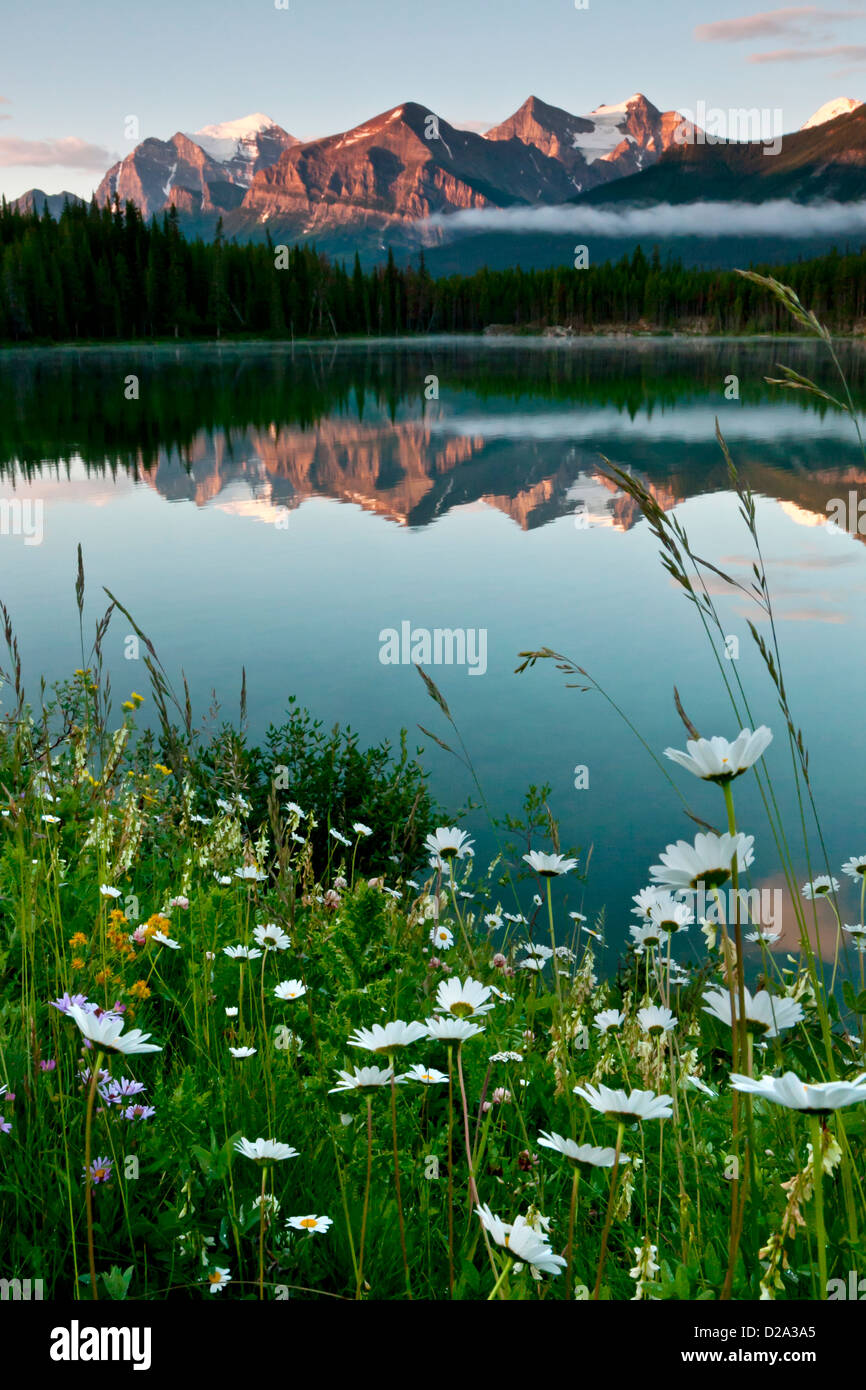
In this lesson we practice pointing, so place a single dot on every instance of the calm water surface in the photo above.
(277, 510)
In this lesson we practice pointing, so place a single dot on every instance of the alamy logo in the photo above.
(854, 1289)
(439, 646)
(713, 126)
(76, 1343)
(847, 514)
(23, 518)
(20, 1289)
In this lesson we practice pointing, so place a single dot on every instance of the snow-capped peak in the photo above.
(608, 133)
(226, 139)
(621, 107)
(840, 106)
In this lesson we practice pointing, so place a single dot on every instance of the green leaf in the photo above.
(117, 1282)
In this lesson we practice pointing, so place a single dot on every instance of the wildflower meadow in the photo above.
(272, 1029)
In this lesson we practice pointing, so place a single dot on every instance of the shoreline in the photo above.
(491, 336)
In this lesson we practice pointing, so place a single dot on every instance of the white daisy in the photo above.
(241, 952)
(820, 887)
(646, 935)
(466, 1000)
(428, 1075)
(387, 1039)
(670, 914)
(537, 950)
(637, 1105)
(856, 929)
(249, 871)
(361, 829)
(707, 862)
(587, 1154)
(446, 842)
(492, 921)
(108, 892)
(717, 760)
(766, 1014)
(265, 1150)
(549, 865)
(764, 934)
(699, 1085)
(451, 1029)
(242, 1052)
(608, 1018)
(164, 940)
(655, 1020)
(272, 937)
(856, 867)
(442, 937)
(364, 1079)
(310, 1223)
(341, 838)
(290, 989)
(106, 1033)
(522, 1242)
(794, 1094)
(645, 900)
(218, 1278)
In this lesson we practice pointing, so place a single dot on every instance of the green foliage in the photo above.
(103, 273)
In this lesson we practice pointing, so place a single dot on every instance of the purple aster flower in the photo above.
(100, 1170)
(138, 1112)
(118, 1091)
(48, 1064)
(66, 1001)
(85, 1076)
(5, 1126)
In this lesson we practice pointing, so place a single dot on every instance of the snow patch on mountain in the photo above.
(232, 139)
(840, 106)
(608, 133)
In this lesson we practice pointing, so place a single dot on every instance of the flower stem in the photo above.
(620, 1130)
(473, 1190)
(818, 1183)
(359, 1284)
(569, 1254)
(262, 1235)
(499, 1282)
(88, 1176)
(451, 1169)
(397, 1184)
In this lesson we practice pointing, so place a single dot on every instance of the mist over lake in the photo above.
(279, 509)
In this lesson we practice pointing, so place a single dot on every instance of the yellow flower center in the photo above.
(309, 1222)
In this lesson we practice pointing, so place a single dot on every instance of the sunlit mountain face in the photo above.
(276, 511)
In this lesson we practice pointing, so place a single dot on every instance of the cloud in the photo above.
(777, 218)
(795, 21)
(852, 51)
(479, 127)
(69, 152)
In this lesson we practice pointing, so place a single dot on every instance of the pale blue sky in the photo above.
(72, 74)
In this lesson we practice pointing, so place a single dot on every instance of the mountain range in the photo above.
(379, 184)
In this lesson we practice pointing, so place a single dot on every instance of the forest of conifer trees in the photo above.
(103, 274)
